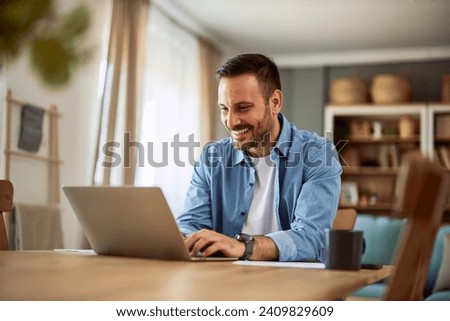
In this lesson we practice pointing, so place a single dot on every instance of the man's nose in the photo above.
(233, 120)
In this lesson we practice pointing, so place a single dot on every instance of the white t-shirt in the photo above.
(261, 218)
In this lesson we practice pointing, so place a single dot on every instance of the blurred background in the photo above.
(147, 68)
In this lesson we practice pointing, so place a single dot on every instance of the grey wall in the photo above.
(304, 97)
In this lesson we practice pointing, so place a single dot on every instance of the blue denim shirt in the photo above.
(306, 193)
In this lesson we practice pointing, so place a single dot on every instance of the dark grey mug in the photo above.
(344, 249)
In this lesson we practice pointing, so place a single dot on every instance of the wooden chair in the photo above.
(345, 219)
(6, 205)
(421, 190)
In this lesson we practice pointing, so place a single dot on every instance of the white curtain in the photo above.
(170, 109)
(121, 89)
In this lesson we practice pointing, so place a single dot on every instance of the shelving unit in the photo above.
(439, 124)
(370, 161)
(439, 138)
(371, 141)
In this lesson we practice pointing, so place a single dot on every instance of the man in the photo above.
(268, 192)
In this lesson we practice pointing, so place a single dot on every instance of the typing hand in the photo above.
(209, 242)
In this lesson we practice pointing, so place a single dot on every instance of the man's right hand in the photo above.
(209, 242)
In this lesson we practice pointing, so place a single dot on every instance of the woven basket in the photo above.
(390, 89)
(349, 91)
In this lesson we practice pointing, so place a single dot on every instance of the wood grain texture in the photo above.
(72, 276)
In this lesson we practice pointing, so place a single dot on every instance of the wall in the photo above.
(303, 97)
(79, 104)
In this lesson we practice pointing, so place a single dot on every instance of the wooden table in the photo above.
(37, 275)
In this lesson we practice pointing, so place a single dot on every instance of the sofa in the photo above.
(381, 235)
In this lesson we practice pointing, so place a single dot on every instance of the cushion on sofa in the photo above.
(436, 259)
(443, 280)
(439, 296)
(381, 235)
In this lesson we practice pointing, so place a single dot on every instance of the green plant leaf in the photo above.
(17, 20)
(53, 40)
(52, 61)
(75, 23)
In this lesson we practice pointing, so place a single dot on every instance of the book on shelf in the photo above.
(393, 155)
(384, 155)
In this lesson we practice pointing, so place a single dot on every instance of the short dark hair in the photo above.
(264, 69)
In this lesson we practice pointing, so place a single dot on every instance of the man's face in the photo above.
(250, 120)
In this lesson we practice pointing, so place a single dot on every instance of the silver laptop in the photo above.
(129, 221)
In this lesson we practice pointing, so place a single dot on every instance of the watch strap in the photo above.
(249, 241)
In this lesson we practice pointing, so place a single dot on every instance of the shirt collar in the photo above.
(284, 140)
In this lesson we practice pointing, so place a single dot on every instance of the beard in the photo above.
(261, 134)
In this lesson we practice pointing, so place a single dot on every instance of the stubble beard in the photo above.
(260, 139)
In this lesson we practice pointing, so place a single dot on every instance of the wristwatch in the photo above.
(249, 241)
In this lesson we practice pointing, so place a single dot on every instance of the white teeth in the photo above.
(242, 131)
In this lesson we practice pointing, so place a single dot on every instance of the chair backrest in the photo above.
(6, 205)
(345, 219)
(421, 191)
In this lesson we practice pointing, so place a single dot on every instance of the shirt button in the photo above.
(243, 213)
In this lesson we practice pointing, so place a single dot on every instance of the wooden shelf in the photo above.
(379, 208)
(375, 171)
(442, 139)
(368, 106)
(383, 139)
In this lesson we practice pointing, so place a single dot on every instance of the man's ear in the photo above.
(276, 101)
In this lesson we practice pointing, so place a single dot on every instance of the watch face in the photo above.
(244, 237)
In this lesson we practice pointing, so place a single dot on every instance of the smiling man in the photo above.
(270, 190)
